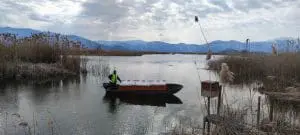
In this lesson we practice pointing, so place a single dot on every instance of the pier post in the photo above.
(203, 130)
(219, 102)
(208, 106)
(271, 109)
(258, 112)
(208, 114)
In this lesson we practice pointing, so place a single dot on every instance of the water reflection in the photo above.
(44, 83)
(151, 100)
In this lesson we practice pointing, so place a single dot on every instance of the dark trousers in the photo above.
(113, 84)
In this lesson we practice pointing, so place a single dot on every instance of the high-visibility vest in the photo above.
(114, 78)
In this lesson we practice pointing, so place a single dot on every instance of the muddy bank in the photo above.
(289, 94)
(34, 71)
(284, 96)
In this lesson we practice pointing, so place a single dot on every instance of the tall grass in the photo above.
(53, 49)
(245, 69)
(284, 69)
(276, 72)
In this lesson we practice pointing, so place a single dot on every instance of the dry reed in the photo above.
(19, 55)
(284, 69)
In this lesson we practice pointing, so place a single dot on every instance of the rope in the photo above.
(197, 91)
(200, 84)
(197, 20)
(203, 33)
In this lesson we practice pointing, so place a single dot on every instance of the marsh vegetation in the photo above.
(39, 56)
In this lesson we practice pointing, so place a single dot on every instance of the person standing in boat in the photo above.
(114, 78)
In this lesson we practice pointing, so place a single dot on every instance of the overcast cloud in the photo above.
(165, 20)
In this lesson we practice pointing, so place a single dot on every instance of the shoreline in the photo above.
(34, 71)
(92, 52)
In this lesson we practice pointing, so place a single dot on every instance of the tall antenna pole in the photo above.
(209, 50)
(197, 21)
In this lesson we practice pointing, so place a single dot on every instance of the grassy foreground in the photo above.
(38, 56)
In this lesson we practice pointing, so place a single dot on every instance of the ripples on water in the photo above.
(80, 105)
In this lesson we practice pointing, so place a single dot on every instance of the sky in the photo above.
(157, 20)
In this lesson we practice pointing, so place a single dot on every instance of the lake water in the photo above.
(79, 105)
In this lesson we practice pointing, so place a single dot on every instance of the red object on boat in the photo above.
(141, 88)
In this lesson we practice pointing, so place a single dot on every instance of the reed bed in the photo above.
(276, 72)
(38, 56)
(280, 76)
(234, 122)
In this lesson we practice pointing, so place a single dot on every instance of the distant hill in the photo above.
(25, 32)
(217, 46)
(20, 32)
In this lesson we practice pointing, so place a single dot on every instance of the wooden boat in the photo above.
(143, 87)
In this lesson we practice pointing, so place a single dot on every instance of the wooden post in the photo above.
(258, 112)
(219, 102)
(208, 106)
(271, 109)
(208, 114)
(204, 122)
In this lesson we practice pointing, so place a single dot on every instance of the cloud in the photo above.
(166, 20)
(221, 4)
(107, 10)
(248, 5)
(45, 18)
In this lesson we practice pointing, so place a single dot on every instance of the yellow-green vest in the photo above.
(114, 78)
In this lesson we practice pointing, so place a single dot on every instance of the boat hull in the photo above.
(149, 90)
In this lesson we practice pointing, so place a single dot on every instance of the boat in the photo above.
(143, 87)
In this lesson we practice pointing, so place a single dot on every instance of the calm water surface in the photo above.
(79, 105)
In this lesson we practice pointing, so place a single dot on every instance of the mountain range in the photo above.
(216, 46)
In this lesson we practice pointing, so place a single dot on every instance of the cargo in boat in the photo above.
(143, 87)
